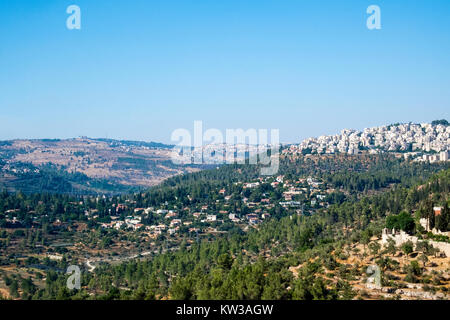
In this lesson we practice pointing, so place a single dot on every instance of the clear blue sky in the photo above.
(140, 69)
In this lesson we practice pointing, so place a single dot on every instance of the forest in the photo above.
(380, 192)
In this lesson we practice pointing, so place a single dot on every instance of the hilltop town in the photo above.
(426, 141)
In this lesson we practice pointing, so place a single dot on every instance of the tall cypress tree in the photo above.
(442, 220)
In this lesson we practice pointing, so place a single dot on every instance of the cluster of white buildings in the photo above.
(130, 222)
(10, 166)
(442, 156)
(400, 137)
(218, 153)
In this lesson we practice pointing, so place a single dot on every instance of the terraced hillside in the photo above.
(85, 165)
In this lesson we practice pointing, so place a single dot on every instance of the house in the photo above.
(252, 216)
(437, 211)
(175, 222)
(425, 223)
(118, 225)
(211, 217)
(274, 184)
(266, 215)
(121, 207)
(197, 214)
(291, 204)
(132, 221)
(171, 214)
(158, 228)
(251, 185)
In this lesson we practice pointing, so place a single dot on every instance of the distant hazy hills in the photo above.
(85, 165)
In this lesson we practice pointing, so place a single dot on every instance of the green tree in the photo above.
(423, 258)
(408, 247)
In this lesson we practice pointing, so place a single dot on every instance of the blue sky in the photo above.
(140, 69)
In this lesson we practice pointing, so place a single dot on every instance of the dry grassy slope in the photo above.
(360, 257)
(125, 164)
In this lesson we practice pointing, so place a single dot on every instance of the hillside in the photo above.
(413, 139)
(85, 165)
(228, 233)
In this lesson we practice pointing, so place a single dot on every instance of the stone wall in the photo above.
(402, 237)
